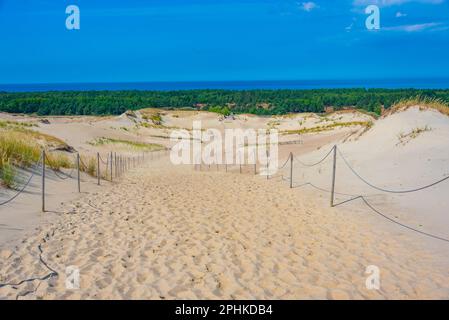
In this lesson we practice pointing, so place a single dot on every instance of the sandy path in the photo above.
(170, 232)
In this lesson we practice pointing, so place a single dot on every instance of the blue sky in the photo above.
(196, 40)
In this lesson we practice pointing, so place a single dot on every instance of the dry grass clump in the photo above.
(88, 165)
(424, 103)
(57, 161)
(127, 143)
(17, 149)
(365, 124)
(152, 114)
(7, 174)
(404, 138)
(10, 123)
(22, 148)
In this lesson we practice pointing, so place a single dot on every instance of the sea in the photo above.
(232, 85)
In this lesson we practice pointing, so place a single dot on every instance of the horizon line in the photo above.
(228, 81)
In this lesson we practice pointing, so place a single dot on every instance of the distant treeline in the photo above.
(262, 102)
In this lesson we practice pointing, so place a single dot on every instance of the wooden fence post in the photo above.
(334, 168)
(115, 164)
(111, 166)
(98, 168)
(268, 163)
(78, 169)
(255, 162)
(291, 170)
(43, 180)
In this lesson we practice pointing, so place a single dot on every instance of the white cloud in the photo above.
(414, 27)
(388, 3)
(400, 14)
(308, 6)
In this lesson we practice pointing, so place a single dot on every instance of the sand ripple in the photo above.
(172, 233)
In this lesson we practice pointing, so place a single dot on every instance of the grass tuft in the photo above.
(328, 127)
(7, 174)
(21, 147)
(127, 143)
(424, 103)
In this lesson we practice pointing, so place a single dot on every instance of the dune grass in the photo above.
(424, 103)
(142, 146)
(10, 123)
(404, 138)
(22, 148)
(328, 127)
(7, 175)
(88, 165)
(151, 114)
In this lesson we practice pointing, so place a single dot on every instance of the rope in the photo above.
(370, 206)
(401, 224)
(51, 274)
(387, 190)
(82, 163)
(19, 192)
(316, 163)
(22, 189)
(67, 176)
(104, 162)
(324, 190)
(286, 161)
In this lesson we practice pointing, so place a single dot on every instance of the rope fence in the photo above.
(115, 164)
(333, 153)
(121, 163)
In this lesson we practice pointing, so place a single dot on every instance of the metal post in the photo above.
(78, 169)
(291, 170)
(98, 168)
(334, 168)
(115, 164)
(43, 180)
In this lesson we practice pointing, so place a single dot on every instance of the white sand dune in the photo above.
(383, 157)
(169, 232)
